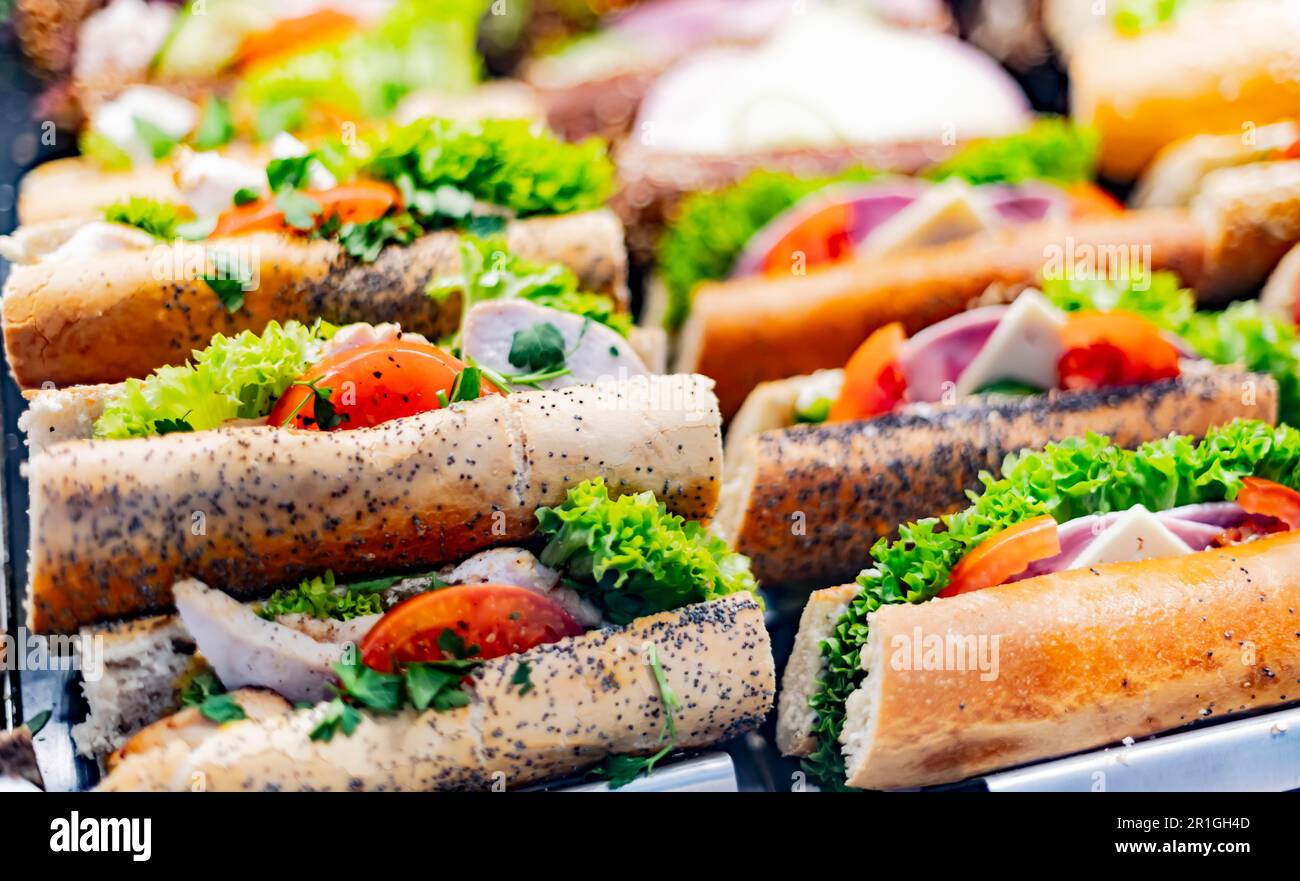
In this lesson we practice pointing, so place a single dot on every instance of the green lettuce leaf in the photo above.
(491, 272)
(419, 44)
(104, 152)
(155, 217)
(710, 229)
(1052, 149)
(1076, 477)
(319, 597)
(234, 377)
(631, 557)
(1241, 334)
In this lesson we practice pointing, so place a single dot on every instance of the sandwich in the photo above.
(1163, 74)
(279, 65)
(404, 577)
(828, 90)
(819, 466)
(748, 330)
(342, 232)
(1089, 594)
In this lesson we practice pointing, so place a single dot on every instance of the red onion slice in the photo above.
(932, 360)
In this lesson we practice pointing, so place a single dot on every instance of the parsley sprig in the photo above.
(620, 770)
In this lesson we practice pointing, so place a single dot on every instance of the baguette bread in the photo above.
(75, 187)
(18, 769)
(806, 503)
(124, 313)
(795, 718)
(751, 330)
(116, 523)
(594, 696)
(1215, 68)
(1082, 658)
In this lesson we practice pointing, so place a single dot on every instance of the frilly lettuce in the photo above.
(490, 272)
(320, 597)
(234, 377)
(1241, 334)
(1052, 149)
(631, 557)
(419, 44)
(154, 216)
(1070, 479)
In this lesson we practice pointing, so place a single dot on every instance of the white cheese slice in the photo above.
(115, 119)
(1137, 534)
(208, 181)
(945, 212)
(1025, 346)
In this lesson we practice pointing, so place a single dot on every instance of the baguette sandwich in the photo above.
(827, 91)
(750, 330)
(818, 467)
(344, 233)
(1089, 594)
(596, 626)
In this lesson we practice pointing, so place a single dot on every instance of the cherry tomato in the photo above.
(372, 384)
(1113, 348)
(873, 381)
(495, 619)
(823, 237)
(257, 216)
(293, 35)
(1270, 499)
(1089, 200)
(1004, 555)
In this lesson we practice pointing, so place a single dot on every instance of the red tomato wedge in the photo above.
(873, 381)
(1089, 200)
(821, 238)
(497, 619)
(292, 35)
(1004, 555)
(1293, 151)
(1270, 499)
(372, 384)
(360, 201)
(1113, 348)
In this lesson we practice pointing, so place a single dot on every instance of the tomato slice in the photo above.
(1006, 554)
(372, 384)
(873, 381)
(292, 35)
(1089, 200)
(495, 619)
(823, 237)
(1113, 348)
(360, 202)
(1270, 499)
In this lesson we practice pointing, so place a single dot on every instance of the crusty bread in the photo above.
(141, 665)
(1082, 658)
(77, 188)
(795, 718)
(750, 330)
(806, 503)
(771, 405)
(56, 415)
(115, 523)
(1253, 215)
(124, 313)
(1214, 68)
(1281, 292)
(593, 695)
(1176, 175)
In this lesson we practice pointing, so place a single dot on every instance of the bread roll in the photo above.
(593, 695)
(116, 523)
(1072, 661)
(124, 313)
(1217, 67)
(806, 503)
(750, 330)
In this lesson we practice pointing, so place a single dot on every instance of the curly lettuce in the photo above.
(710, 229)
(1241, 334)
(1070, 479)
(1052, 149)
(631, 557)
(490, 272)
(235, 377)
(320, 597)
(154, 216)
(419, 44)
